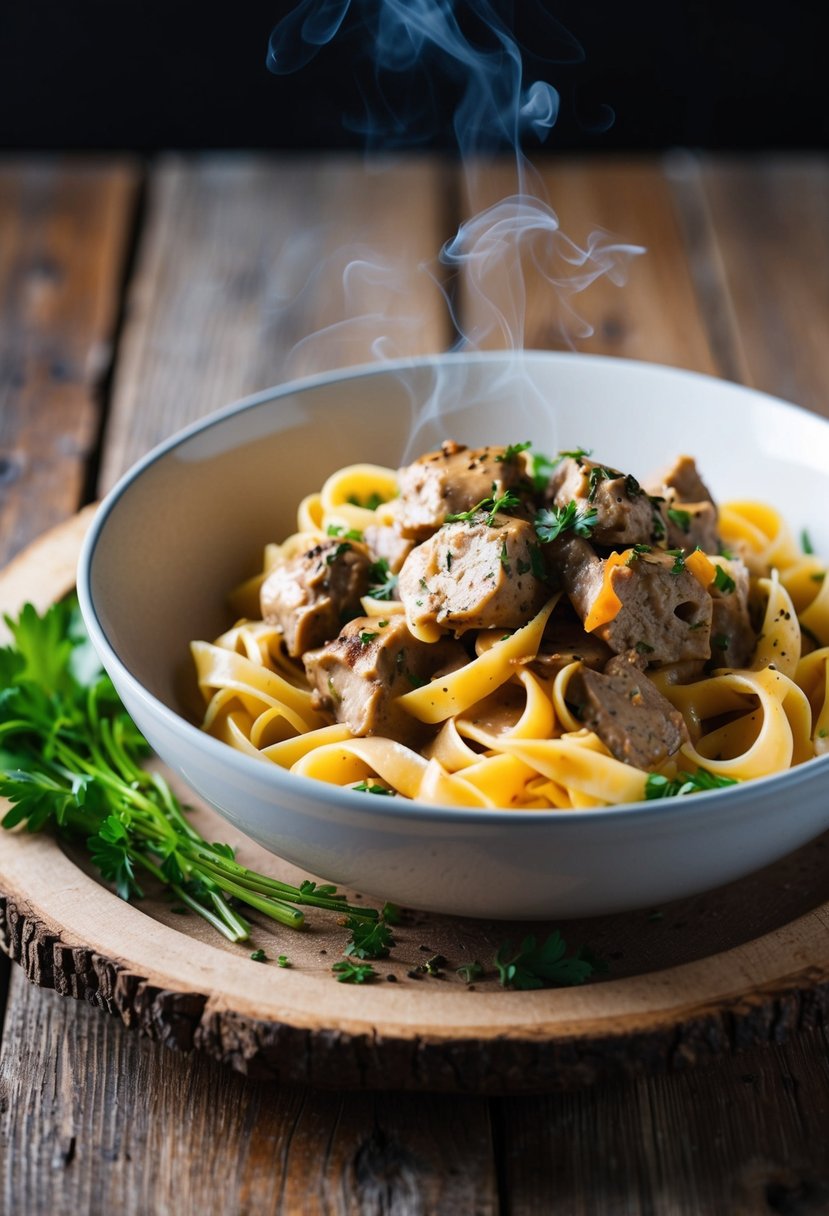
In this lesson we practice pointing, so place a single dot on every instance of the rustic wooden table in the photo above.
(136, 298)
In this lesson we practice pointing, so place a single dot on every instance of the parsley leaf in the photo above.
(348, 972)
(660, 786)
(373, 787)
(551, 522)
(491, 506)
(806, 542)
(382, 583)
(347, 533)
(511, 451)
(724, 582)
(681, 518)
(547, 965)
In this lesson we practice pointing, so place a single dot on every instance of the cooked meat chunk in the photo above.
(385, 542)
(624, 514)
(689, 525)
(311, 595)
(684, 479)
(566, 642)
(732, 636)
(664, 612)
(450, 481)
(359, 676)
(631, 717)
(475, 575)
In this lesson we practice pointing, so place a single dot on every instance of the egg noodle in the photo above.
(504, 736)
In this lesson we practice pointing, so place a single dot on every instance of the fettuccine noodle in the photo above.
(499, 734)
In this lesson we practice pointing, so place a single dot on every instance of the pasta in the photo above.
(531, 677)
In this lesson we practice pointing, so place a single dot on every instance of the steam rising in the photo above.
(506, 249)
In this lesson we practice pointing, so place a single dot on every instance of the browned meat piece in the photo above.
(624, 513)
(683, 477)
(665, 616)
(359, 675)
(689, 525)
(566, 642)
(311, 595)
(471, 575)
(385, 542)
(631, 717)
(732, 637)
(451, 481)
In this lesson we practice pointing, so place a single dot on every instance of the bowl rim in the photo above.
(355, 800)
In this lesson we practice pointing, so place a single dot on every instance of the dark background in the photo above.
(113, 74)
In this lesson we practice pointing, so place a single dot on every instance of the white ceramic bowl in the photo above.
(190, 521)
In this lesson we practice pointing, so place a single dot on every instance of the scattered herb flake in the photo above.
(681, 518)
(259, 956)
(372, 787)
(345, 533)
(531, 965)
(724, 582)
(549, 523)
(660, 786)
(367, 636)
(283, 961)
(382, 583)
(369, 938)
(806, 542)
(349, 972)
(511, 451)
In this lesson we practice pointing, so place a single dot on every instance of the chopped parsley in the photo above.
(511, 451)
(382, 583)
(504, 557)
(341, 548)
(346, 533)
(491, 506)
(632, 486)
(724, 582)
(551, 522)
(374, 787)
(644, 648)
(597, 475)
(819, 577)
(578, 454)
(545, 965)
(259, 956)
(283, 961)
(371, 503)
(659, 786)
(679, 560)
(369, 939)
(806, 542)
(681, 518)
(349, 972)
(719, 641)
(367, 636)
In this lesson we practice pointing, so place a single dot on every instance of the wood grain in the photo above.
(96, 1120)
(244, 259)
(179, 983)
(764, 228)
(655, 315)
(64, 228)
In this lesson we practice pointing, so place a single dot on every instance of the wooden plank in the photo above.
(94, 1119)
(655, 315)
(765, 225)
(64, 228)
(743, 1138)
(245, 257)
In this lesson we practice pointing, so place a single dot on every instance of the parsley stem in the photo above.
(222, 868)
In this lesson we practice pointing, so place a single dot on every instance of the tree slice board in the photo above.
(745, 964)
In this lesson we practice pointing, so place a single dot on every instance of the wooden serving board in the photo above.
(746, 964)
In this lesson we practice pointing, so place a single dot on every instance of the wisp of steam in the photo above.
(417, 52)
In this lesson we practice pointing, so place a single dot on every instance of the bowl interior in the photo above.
(191, 521)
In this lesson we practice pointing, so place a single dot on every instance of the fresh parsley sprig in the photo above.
(550, 522)
(382, 583)
(71, 761)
